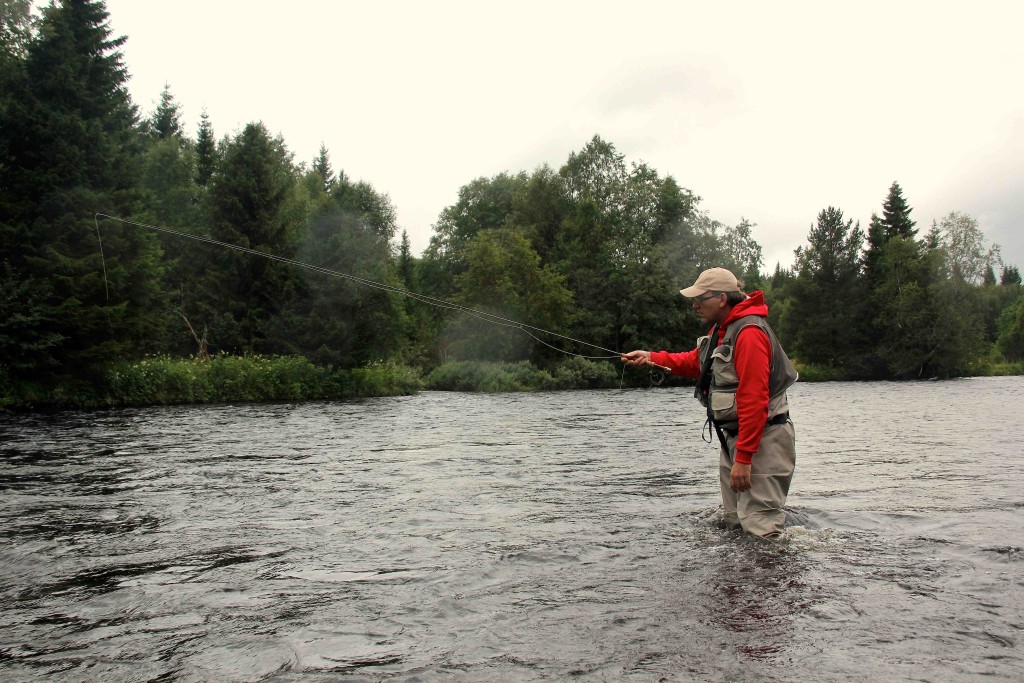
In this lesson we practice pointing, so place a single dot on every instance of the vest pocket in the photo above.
(722, 353)
(723, 404)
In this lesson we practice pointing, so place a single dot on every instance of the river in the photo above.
(512, 537)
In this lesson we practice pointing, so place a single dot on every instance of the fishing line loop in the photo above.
(422, 298)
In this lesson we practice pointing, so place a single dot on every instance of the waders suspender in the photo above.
(704, 386)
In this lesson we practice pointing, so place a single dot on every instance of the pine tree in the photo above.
(322, 166)
(989, 278)
(206, 151)
(827, 271)
(74, 141)
(876, 241)
(405, 261)
(166, 120)
(248, 200)
(1010, 276)
(895, 291)
(896, 215)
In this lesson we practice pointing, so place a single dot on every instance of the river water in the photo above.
(512, 537)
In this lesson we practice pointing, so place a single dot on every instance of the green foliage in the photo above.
(322, 167)
(206, 152)
(488, 377)
(743, 254)
(595, 250)
(599, 225)
(222, 379)
(248, 197)
(569, 373)
(896, 215)
(1010, 276)
(580, 373)
(165, 123)
(810, 372)
(338, 321)
(822, 324)
(968, 258)
(504, 275)
(72, 149)
(1010, 341)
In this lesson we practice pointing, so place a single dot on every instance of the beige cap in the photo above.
(713, 280)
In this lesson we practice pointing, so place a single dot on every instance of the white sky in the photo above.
(767, 110)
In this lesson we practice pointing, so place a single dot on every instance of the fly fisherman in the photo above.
(742, 380)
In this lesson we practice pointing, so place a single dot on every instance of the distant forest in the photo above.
(595, 250)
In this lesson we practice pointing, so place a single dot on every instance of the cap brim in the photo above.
(691, 292)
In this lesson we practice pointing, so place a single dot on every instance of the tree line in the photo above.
(595, 250)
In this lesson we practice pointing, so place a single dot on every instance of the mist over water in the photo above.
(544, 536)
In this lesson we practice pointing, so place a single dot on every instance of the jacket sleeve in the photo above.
(752, 359)
(683, 364)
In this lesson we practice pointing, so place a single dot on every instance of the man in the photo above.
(743, 374)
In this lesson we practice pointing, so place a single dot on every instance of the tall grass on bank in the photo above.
(997, 367)
(818, 373)
(572, 373)
(223, 379)
(988, 366)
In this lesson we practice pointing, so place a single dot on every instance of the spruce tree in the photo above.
(322, 166)
(405, 261)
(896, 215)
(894, 290)
(166, 120)
(873, 253)
(989, 278)
(206, 151)
(248, 201)
(821, 331)
(73, 138)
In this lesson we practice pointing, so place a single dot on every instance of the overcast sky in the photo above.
(767, 110)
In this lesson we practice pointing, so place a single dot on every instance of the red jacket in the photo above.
(752, 358)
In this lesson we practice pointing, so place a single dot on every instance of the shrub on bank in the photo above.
(579, 373)
(1002, 369)
(819, 373)
(488, 377)
(156, 381)
(572, 373)
(376, 379)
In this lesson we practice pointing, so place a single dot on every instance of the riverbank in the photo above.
(220, 379)
(261, 379)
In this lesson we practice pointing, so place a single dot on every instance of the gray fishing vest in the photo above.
(724, 381)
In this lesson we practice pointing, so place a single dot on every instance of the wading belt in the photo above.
(781, 418)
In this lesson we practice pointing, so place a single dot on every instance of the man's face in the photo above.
(709, 306)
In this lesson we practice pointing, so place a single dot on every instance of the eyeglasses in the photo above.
(702, 299)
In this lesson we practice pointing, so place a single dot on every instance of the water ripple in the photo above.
(511, 537)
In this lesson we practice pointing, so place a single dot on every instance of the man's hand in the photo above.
(636, 359)
(739, 478)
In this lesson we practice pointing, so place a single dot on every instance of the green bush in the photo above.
(579, 373)
(250, 379)
(818, 373)
(489, 377)
(377, 379)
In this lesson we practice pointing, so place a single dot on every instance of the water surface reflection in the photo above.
(510, 537)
